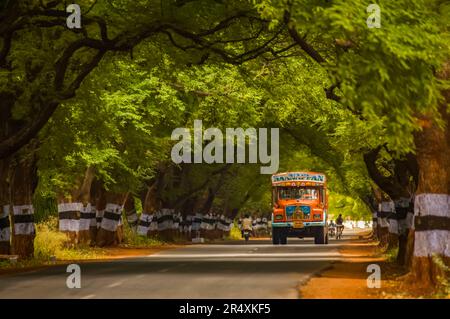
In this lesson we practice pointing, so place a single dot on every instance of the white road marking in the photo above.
(164, 270)
(115, 284)
(88, 297)
(237, 255)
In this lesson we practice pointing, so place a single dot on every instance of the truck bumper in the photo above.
(309, 229)
(291, 224)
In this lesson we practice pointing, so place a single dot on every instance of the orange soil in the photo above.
(346, 279)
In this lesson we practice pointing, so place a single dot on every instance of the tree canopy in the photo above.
(109, 95)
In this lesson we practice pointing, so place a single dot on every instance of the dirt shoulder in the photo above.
(346, 279)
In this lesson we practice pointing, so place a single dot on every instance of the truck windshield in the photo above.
(302, 193)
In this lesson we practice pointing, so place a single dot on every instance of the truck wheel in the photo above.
(283, 236)
(275, 236)
(283, 239)
(320, 236)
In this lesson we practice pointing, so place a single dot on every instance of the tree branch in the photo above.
(21, 138)
(315, 55)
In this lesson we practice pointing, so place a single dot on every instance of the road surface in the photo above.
(236, 270)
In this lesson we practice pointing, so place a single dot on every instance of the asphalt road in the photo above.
(237, 270)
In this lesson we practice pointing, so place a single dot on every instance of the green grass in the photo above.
(50, 243)
(21, 264)
(443, 290)
(133, 239)
(235, 233)
(391, 254)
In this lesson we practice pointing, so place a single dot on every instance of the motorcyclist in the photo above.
(247, 224)
(332, 228)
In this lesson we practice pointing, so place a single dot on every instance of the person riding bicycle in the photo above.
(339, 225)
(339, 220)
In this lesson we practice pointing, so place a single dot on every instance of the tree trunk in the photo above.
(98, 194)
(110, 228)
(23, 183)
(432, 201)
(399, 187)
(148, 225)
(432, 204)
(5, 227)
(76, 212)
(130, 212)
(374, 225)
(5, 230)
(386, 208)
(409, 250)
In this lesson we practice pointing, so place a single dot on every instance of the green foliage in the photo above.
(235, 233)
(348, 207)
(444, 281)
(386, 74)
(122, 116)
(391, 254)
(45, 207)
(132, 239)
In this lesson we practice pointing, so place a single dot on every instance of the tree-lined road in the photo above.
(235, 270)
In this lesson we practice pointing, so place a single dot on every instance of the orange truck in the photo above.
(300, 206)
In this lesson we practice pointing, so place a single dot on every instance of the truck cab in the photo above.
(300, 205)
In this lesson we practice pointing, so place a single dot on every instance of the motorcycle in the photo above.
(331, 231)
(246, 234)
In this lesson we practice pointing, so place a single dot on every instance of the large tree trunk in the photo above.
(386, 208)
(148, 225)
(23, 184)
(399, 186)
(393, 229)
(5, 228)
(432, 201)
(403, 211)
(109, 232)
(130, 212)
(76, 212)
(432, 204)
(98, 195)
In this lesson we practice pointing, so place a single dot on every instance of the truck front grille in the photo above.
(298, 212)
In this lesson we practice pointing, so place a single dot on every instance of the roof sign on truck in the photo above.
(297, 177)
